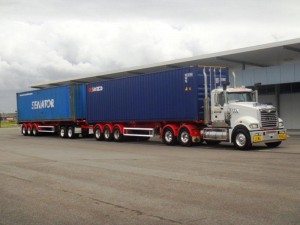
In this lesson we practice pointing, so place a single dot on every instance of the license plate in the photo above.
(257, 138)
(282, 136)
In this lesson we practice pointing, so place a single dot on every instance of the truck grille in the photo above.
(268, 118)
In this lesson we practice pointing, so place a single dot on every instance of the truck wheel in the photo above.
(98, 134)
(184, 137)
(71, 133)
(35, 131)
(24, 130)
(242, 139)
(63, 132)
(107, 135)
(118, 137)
(168, 137)
(273, 144)
(29, 130)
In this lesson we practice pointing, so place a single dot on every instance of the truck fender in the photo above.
(194, 130)
(241, 126)
(174, 128)
(109, 126)
(99, 125)
(120, 126)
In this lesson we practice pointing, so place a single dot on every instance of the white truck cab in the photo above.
(238, 118)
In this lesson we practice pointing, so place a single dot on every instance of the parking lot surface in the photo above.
(49, 180)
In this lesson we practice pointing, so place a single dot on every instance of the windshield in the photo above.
(239, 97)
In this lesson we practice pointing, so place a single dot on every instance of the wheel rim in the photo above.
(98, 133)
(23, 130)
(169, 136)
(34, 132)
(62, 132)
(185, 137)
(117, 134)
(106, 134)
(28, 130)
(240, 140)
(70, 132)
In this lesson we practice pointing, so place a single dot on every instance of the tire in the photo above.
(118, 137)
(184, 137)
(98, 134)
(24, 130)
(70, 132)
(241, 139)
(107, 135)
(29, 130)
(63, 132)
(273, 144)
(168, 137)
(35, 131)
(212, 143)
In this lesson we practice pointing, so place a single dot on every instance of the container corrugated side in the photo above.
(64, 103)
(172, 95)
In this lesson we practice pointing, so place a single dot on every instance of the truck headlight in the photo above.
(280, 123)
(253, 126)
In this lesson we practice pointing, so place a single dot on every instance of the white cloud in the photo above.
(43, 41)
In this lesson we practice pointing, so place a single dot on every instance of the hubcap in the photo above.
(70, 132)
(106, 133)
(117, 134)
(62, 132)
(98, 133)
(240, 140)
(169, 136)
(185, 137)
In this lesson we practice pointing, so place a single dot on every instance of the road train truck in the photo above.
(182, 106)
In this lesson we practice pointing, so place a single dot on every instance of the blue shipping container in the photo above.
(172, 95)
(66, 103)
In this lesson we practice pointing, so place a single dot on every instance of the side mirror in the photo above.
(225, 84)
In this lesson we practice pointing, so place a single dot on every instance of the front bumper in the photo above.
(265, 136)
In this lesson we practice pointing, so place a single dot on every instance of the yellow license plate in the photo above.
(282, 136)
(257, 138)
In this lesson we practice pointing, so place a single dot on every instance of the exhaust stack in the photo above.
(206, 100)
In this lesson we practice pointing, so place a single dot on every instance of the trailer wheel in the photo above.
(98, 134)
(29, 130)
(242, 139)
(168, 137)
(35, 131)
(273, 144)
(118, 137)
(24, 130)
(107, 135)
(63, 132)
(184, 137)
(71, 133)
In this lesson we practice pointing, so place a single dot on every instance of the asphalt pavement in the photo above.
(48, 180)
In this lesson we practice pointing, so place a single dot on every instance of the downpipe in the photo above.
(206, 100)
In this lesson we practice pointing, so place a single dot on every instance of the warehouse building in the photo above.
(276, 66)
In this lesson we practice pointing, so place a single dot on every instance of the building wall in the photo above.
(287, 78)
(285, 73)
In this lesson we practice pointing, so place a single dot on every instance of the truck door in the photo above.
(217, 108)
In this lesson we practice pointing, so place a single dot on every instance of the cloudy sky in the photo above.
(49, 40)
